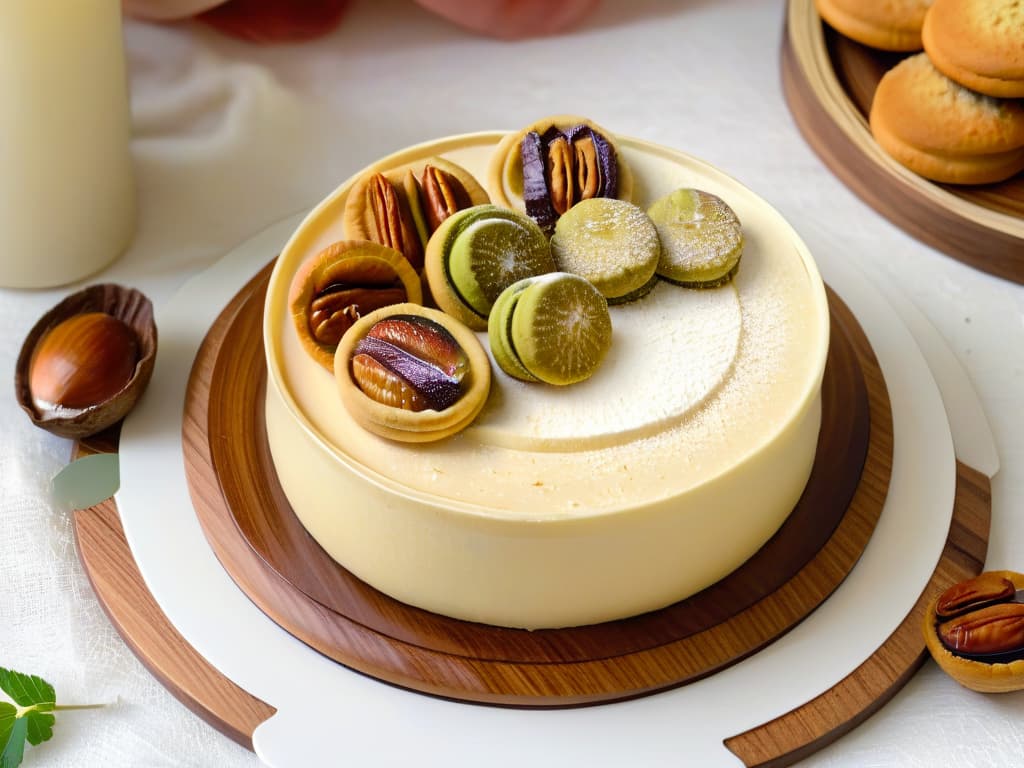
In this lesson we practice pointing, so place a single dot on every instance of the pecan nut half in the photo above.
(995, 630)
(402, 206)
(343, 282)
(442, 195)
(394, 224)
(972, 594)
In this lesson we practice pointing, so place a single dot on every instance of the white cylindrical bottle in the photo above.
(67, 194)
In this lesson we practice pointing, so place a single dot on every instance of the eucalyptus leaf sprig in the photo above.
(30, 718)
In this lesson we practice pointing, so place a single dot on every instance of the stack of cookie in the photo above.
(953, 112)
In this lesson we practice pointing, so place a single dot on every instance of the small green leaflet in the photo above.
(29, 718)
(13, 730)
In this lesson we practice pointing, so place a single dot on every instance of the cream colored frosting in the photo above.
(566, 506)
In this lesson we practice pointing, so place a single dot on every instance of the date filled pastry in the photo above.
(943, 131)
(546, 168)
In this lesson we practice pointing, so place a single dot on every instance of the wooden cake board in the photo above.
(829, 82)
(108, 562)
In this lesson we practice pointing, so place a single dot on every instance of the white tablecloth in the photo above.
(230, 138)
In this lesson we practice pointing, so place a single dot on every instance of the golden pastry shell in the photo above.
(413, 426)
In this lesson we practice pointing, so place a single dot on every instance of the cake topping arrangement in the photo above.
(537, 277)
(411, 373)
(611, 243)
(579, 443)
(479, 252)
(555, 328)
(401, 207)
(975, 631)
(346, 280)
(701, 238)
(86, 362)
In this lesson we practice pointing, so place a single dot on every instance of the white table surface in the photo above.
(230, 138)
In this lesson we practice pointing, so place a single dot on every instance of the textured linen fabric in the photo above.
(229, 138)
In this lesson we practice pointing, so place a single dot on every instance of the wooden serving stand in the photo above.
(253, 532)
(829, 82)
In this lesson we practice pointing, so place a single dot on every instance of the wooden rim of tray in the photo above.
(264, 548)
(829, 81)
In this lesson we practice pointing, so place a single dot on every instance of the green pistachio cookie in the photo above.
(478, 252)
(611, 243)
(554, 328)
(701, 238)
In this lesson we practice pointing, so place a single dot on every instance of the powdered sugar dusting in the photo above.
(607, 241)
(669, 353)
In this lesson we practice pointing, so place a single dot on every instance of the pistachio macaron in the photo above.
(478, 252)
(554, 328)
(701, 238)
(610, 242)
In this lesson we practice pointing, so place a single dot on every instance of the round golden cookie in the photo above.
(891, 25)
(978, 43)
(943, 131)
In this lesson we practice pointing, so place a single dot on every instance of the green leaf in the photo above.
(40, 727)
(26, 690)
(29, 720)
(13, 730)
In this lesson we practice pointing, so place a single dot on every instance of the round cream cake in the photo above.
(562, 506)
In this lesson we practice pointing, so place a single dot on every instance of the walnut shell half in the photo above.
(130, 307)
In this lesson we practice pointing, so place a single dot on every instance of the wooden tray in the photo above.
(109, 564)
(268, 553)
(829, 82)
